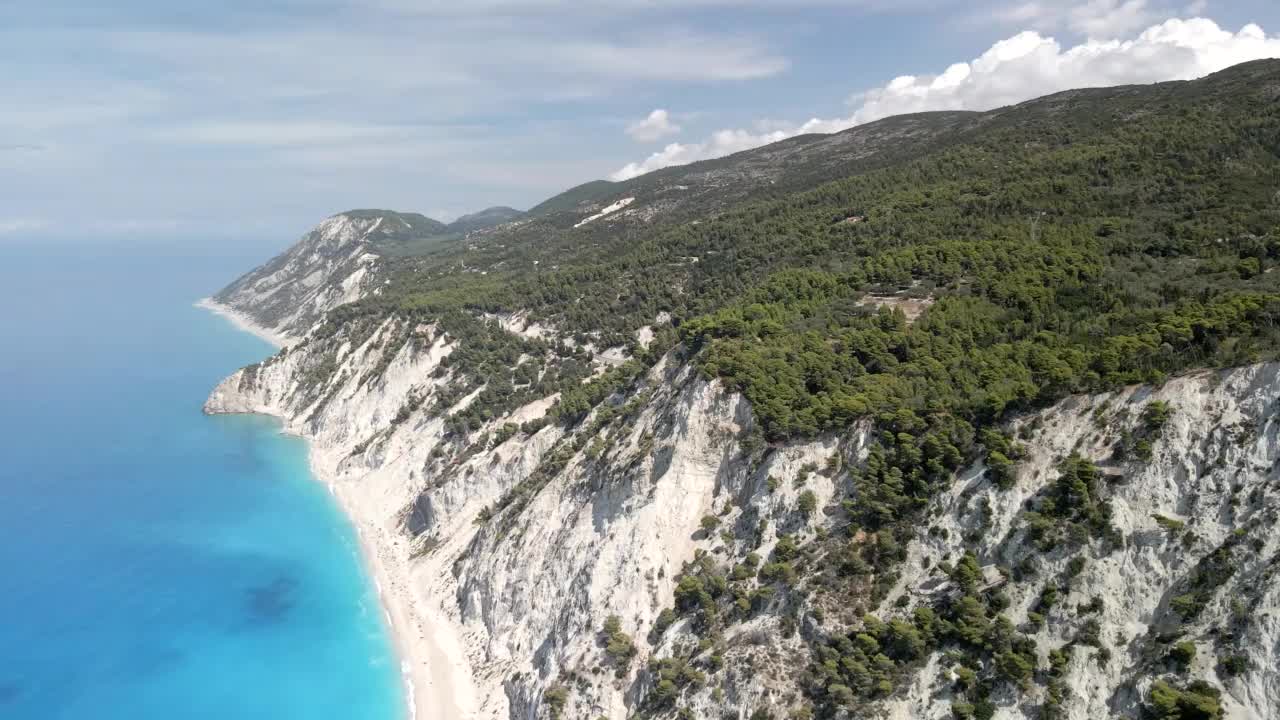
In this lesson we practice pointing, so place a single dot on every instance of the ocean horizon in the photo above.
(161, 563)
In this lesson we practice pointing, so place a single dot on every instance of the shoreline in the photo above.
(244, 323)
(425, 666)
(403, 619)
(384, 560)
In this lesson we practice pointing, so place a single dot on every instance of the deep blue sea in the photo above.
(154, 562)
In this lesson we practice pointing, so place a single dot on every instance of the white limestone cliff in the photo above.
(330, 266)
(516, 604)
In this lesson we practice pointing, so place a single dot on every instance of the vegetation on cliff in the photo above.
(1073, 244)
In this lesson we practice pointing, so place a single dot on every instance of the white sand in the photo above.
(420, 634)
(246, 323)
(425, 641)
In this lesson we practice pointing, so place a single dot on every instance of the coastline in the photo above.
(245, 323)
(428, 691)
(424, 665)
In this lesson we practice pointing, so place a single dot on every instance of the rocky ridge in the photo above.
(330, 266)
(607, 535)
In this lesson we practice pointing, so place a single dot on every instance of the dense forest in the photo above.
(1077, 243)
(1070, 244)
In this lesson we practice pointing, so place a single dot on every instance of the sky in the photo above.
(258, 118)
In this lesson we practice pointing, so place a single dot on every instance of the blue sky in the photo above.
(257, 118)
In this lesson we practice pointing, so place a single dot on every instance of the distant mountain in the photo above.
(329, 266)
(399, 225)
(573, 197)
(485, 219)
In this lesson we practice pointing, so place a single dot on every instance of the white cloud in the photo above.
(1029, 65)
(721, 143)
(1109, 18)
(1020, 68)
(290, 64)
(308, 115)
(1094, 18)
(655, 126)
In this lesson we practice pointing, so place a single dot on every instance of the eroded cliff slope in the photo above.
(330, 266)
(984, 427)
(607, 533)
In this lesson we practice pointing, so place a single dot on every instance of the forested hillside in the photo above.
(1074, 243)
(935, 279)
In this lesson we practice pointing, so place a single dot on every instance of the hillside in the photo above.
(949, 415)
(484, 220)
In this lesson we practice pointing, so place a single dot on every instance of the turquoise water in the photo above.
(158, 563)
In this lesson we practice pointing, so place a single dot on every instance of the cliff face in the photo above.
(602, 536)
(332, 265)
(1210, 486)
(523, 421)
(597, 521)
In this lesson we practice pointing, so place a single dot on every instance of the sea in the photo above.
(154, 562)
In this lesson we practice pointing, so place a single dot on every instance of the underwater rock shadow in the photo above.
(271, 603)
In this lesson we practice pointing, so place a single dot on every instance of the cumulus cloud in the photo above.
(1029, 65)
(721, 143)
(655, 126)
(1019, 68)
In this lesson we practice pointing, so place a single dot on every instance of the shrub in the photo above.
(1155, 415)
(555, 698)
(1090, 633)
(618, 645)
(1199, 701)
(783, 572)
(1095, 605)
(1001, 469)
(673, 674)
(1235, 665)
(807, 503)
(967, 573)
(1183, 653)
(1015, 667)
(840, 694)
(664, 621)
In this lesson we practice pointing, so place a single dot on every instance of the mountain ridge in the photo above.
(485, 219)
(946, 416)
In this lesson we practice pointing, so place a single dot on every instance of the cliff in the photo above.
(676, 448)
(330, 266)
(526, 598)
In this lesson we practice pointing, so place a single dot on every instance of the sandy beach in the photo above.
(245, 323)
(415, 630)
(420, 636)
